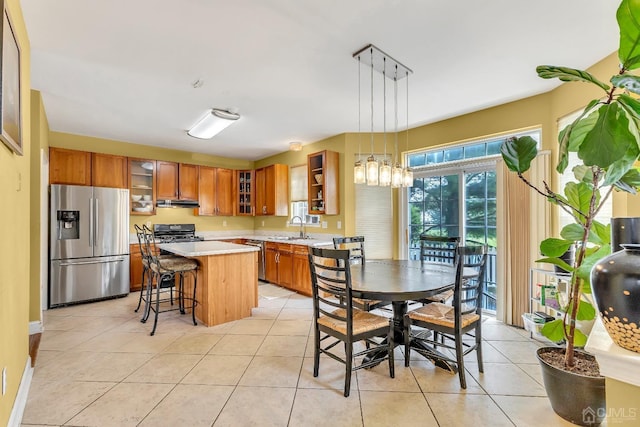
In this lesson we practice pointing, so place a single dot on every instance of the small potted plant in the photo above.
(606, 139)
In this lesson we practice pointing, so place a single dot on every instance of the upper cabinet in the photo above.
(272, 190)
(142, 178)
(323, 181)
(74, 167)
(215, 191)
(108, 170)
(69, 167)
(245, 194)
(176, 181)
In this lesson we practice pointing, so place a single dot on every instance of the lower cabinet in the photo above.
(287, 265)
(135, 268)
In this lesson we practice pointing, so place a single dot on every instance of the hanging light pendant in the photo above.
(359, 175)
(376, 174)
(396, 172)
(385, 167)
(407, 173)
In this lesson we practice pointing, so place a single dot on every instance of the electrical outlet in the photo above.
(4, 380)
(263, 223)
(339, 225)
(324, 224)
(224, 223)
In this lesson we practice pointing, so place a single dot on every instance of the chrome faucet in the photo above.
(302, 231)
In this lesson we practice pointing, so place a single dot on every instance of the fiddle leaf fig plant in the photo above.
(606, 139)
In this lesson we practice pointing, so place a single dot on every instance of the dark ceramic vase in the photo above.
(615, 282)
(577, 398)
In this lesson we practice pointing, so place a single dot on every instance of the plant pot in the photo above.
(615, 283)
(577, 398)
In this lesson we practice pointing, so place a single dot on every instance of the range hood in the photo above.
(177, 204)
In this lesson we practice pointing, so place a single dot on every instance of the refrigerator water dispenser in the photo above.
(68, 225)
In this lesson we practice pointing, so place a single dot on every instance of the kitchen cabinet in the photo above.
(135, 271)
(70, 167)
(272, 190)
(215, 189)
(323, 182)
(142, 179)
(176, 181)
(301, 271)
(245, 194)
(279, 264)
(109, 171)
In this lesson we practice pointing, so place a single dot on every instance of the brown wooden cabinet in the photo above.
(142, 179)
(301, 271)
(272, 190)
(71, 167)
(135, 268)
(279, 264)
(323, 181)
(215, 191)
(245, 194)
(109, 171)
(176, 181)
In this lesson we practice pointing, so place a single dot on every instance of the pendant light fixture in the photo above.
(407, 173)
(385, 174)
(385, 167)
(359, 176)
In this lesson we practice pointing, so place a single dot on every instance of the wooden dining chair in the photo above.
(438, 250)
(453, 322)
(355, 246)
(337, 321)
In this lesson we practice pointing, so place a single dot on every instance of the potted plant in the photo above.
(606, 139)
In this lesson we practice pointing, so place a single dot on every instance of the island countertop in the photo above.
(206, 248)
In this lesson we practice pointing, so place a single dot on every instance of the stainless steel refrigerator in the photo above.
(89, 243)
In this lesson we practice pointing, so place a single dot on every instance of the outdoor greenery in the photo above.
(606, 138)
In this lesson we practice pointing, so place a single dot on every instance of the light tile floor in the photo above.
(98, 366)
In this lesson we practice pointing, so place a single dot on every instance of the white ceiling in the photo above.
(124, 69)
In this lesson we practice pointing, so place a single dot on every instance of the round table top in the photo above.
(400, 280)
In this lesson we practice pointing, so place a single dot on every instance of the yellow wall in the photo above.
(15, 242)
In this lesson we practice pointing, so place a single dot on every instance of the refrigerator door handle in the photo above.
(96, 223)
(67, 264)
(91, 225)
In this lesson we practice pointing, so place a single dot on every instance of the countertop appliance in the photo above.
(89, 244)
(170, 233)
(261, 255)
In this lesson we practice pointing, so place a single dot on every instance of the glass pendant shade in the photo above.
(385, 174)
(359, 175)
(396, 176)
(407, 177)
(372, 171)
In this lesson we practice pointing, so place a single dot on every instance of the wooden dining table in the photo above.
(399, 282)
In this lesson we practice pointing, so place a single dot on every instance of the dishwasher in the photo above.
(261, 255)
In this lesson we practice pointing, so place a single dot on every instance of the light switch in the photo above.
(324, 224)
(339, 225)
(224, 223)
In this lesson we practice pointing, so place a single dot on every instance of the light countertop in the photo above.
(206, 248)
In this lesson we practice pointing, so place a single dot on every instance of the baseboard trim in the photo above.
(15, 419)
(35, 327)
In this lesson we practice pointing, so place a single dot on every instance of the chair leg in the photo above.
(155, 320)
(316, 351)
(181, 293)
(193, 301)
(460, 360)
(479, 347)
(144, 270)
(392, 368)
(407, 340)
(148, 291)
(349, 366)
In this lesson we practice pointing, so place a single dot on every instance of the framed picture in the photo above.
(10, 116)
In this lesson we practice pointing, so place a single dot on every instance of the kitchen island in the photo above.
(227, 287)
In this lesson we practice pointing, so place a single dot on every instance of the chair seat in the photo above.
(441, 297)
(440, 314)
(175, 264)
(145, 262)
(363, 321)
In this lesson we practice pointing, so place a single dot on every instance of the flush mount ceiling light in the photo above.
(376, 173)
(295, 146)
(213, 122)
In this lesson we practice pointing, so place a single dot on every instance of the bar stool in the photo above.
(165, 271)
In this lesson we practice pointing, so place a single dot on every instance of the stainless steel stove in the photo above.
(174, 233)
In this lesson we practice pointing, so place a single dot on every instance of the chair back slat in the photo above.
(438, 249)
(355, 245)
(331, 283)
(471, 262)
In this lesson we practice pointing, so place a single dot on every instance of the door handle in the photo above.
(91, 224)
(67, 264)
(96, 225)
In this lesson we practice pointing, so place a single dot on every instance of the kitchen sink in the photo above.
(287, 238)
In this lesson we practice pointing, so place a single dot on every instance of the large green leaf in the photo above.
(583, 173)
(620, 167)
(600, 234)
(573, 232)
(584, 271)
(631, 105)
(579, 339)
(628, 16)
(556, 261)
(553, 247)
(565, 134)
(567, 74)
(553, 330)
(609, 139)
(585, 310)
(518, 153)
(579, 196)
(627, 81)
(581, 128)
(630, 182)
